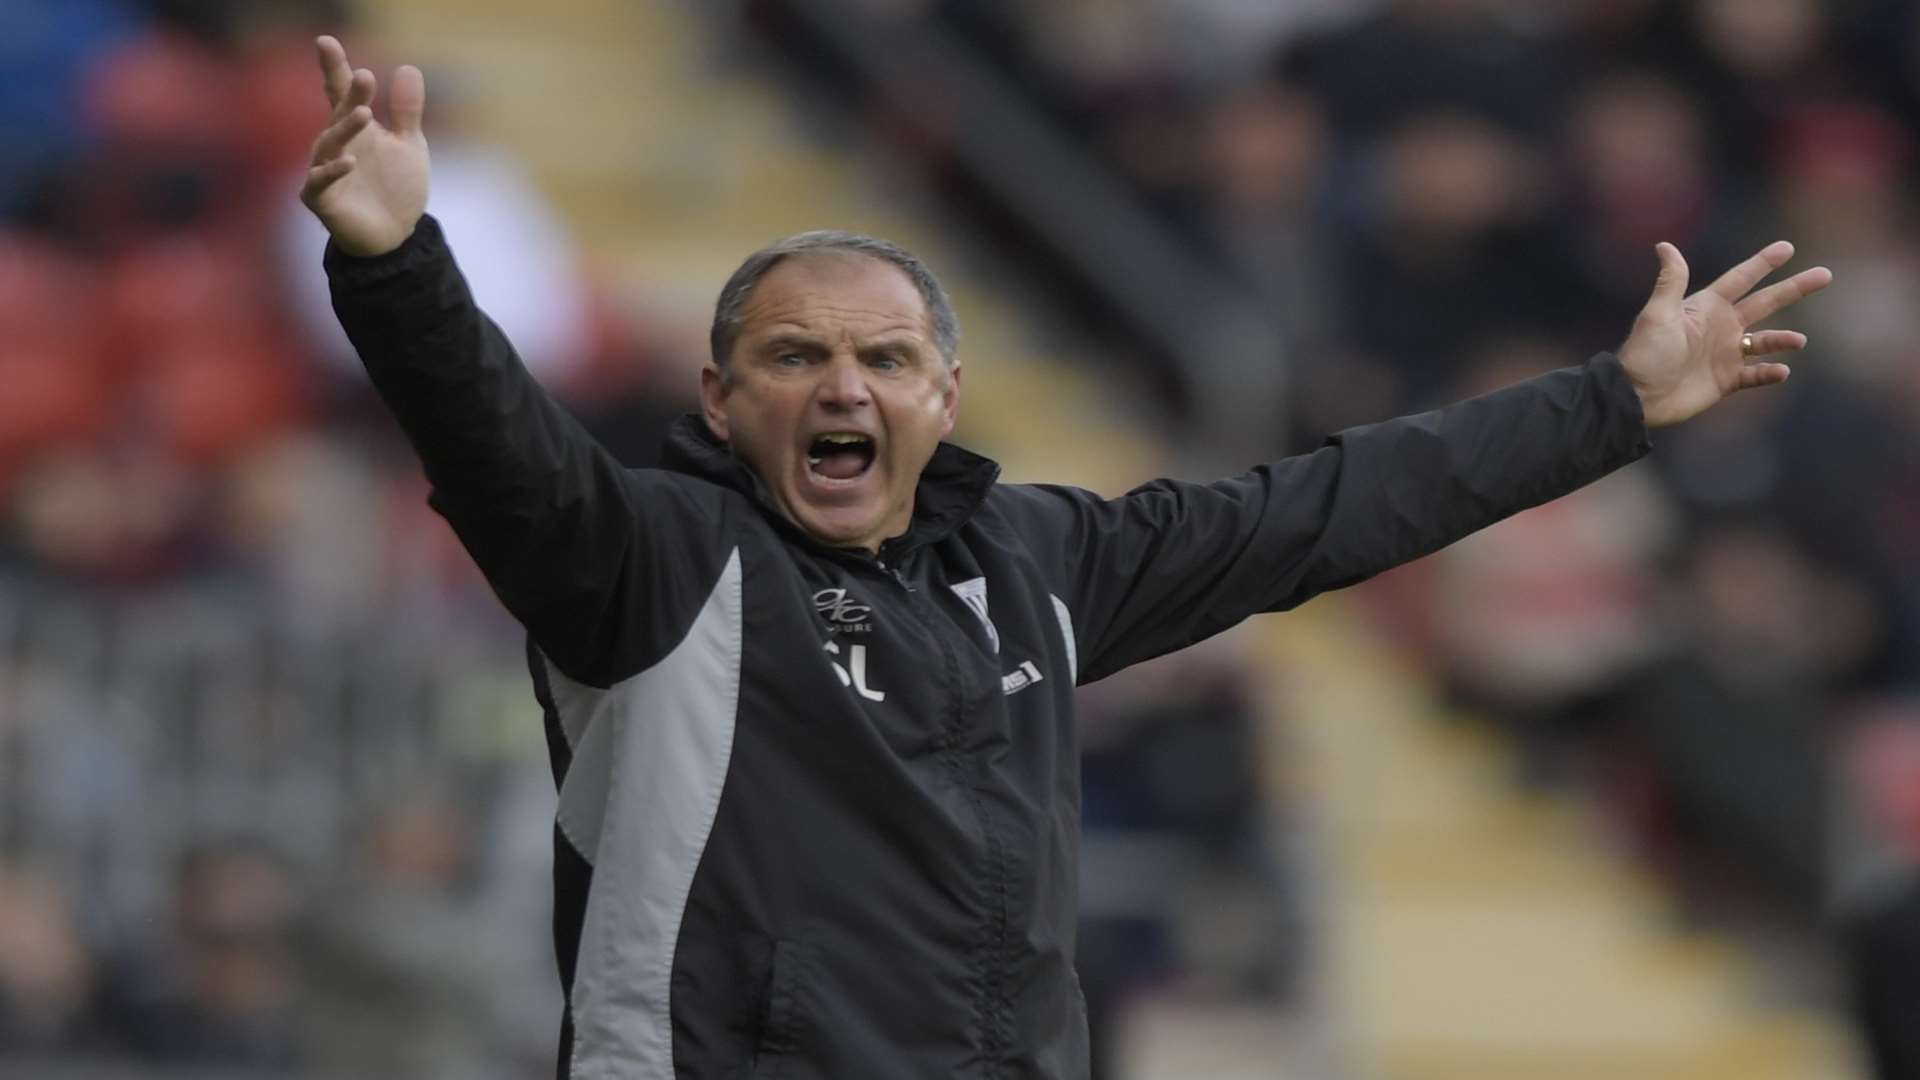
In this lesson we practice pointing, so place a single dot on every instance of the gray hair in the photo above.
(726, 312)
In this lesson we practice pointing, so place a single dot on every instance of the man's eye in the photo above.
(791, 359)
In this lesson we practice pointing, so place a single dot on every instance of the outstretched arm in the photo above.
(1171, 563)
(601, 564)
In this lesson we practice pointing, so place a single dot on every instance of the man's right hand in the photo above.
(368, 183)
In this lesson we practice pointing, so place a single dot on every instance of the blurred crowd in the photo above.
(1431, 198)
(273, 798)
(168, 330)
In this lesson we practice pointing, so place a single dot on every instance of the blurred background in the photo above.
(1628, 786)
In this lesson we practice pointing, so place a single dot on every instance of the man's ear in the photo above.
(713, 400)
(951, 400)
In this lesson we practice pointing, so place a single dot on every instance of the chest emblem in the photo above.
(845, 613)
(973, 593)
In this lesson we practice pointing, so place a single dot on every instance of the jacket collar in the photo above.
(952, 486)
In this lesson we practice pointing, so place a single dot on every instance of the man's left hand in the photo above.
(1685, 352)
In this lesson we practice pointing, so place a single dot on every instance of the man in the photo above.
(808, 687)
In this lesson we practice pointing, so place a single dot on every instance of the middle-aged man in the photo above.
(809, 685)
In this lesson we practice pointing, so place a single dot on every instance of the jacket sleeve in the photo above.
(1171, 563)
(603, 565)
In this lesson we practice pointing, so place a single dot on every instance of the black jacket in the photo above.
(819, 811)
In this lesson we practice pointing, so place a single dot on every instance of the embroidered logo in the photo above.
(1019, 678)
(973, 592)
(844, 613)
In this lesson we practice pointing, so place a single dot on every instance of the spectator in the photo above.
(221, 990)
(48, 48)
(46, 974)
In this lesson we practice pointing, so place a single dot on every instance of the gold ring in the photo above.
(1746, 344)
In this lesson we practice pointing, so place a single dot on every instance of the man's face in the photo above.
(835, 394)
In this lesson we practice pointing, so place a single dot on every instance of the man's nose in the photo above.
(844, 383)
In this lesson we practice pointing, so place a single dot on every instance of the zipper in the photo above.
(894, 572)
(990, 998)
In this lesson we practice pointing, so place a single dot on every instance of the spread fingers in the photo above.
(1782, 294)
(338, 134)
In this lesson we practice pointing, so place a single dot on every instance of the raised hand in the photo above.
(1685, 353)
(368, 183)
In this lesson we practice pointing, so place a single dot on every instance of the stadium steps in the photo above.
(1467, 932)
(1472, 931)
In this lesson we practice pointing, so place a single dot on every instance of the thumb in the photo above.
(1671, 286)
(407, 100)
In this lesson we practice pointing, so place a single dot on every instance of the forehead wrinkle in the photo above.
(797, 309)
(801, 331)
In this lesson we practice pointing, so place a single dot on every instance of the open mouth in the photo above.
(840, 456)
